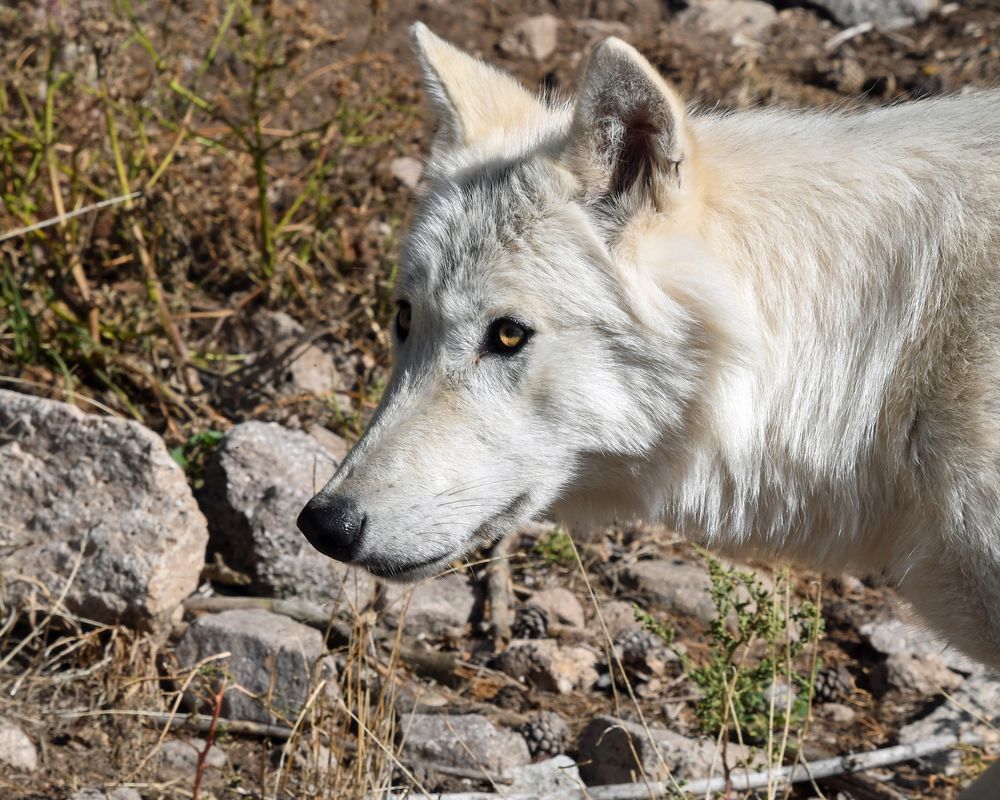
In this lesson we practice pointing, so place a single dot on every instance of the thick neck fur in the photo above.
(839, 241)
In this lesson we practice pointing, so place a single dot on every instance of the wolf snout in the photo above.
(333, 525)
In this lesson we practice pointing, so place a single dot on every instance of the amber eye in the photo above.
(403, 313)
(506, 336)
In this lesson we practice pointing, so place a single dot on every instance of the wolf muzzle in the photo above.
(333, 525)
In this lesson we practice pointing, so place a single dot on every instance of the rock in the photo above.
(750, 18)
(437, 607)
(893, 636)
(178, 758)
(601, 29)
(106, 485)
(643, 654)
(677, 585)
(605, 753)
(558, 774)
(534, 37)
(466, 741)
(543, 664)
(838, 712)
(17, 751)
(884, 13)
(97, 793)
(619, 618)
(310, 370)
(330, 442)
(561, 606)
(269, 653)
(973, 708)
(256, 483)
(926, 675)
(407, 171)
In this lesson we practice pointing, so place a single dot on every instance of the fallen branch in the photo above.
(60, 218)
(780, 777)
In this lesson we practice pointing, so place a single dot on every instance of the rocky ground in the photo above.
(164, 629)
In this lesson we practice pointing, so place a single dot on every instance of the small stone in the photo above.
(607, 750)
(643, 654)
(97, 793)
(17, 750)
(561, 606)
(466, 741)
(619, 617)
(749, 18)
(543, 664)
(105, 485)
(269, 654)
(884, 13)
(677, 585)
(407, 171)
(554, 775)
(893, 636)
(440, 606)
(534, 37)
(256, 482)
(925, 675)
(178, 758)
(839, 713)
(310, 370)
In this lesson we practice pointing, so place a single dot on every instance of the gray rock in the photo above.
(747, 17)
(269, 653)
(926, 675)
(678, 585)
(98, 793)
(973, 708)
(561, 605)
(884, 13)
(256, 483)
(534, 37)
(467, 741)
(437, 607)
(17, 751)
(605, 753)
(178, 758)
(558, 774)
(407, 171)
(544, 664)
(619, 618)
(891, 636)
(106, 485)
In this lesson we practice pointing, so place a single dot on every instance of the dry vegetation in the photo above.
(213, 160)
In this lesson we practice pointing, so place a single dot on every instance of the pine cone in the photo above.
(530, 622)
(643, 652)
(832, 683)
(547, 734)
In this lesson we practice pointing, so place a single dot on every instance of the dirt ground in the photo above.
(261, 139)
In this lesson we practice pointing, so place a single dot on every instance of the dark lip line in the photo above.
(481, 532)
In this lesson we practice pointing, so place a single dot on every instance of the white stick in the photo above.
(63, 217)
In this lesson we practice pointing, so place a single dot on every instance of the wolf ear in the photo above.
(629, 135)
(473, 100)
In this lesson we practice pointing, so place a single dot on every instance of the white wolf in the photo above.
(776, 331)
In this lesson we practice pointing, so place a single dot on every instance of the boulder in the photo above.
(465, 741)
(269, 655)
(256, 483)
(96, 507)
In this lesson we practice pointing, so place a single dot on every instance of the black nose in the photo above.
(333, 525)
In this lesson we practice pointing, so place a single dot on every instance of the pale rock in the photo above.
(677, 585)
(268, 653)
(466, 741)
(557, 774)
(407, 171)
(891, 636)
(17, 751)
(926, 675)
(619, 618)
(256, 483)
(884, 13)
(98, 793)
(545, 665)
(73, 480)
(437, 607)
(534, 37)
(748, 18)
(178, 758)
(561, 605)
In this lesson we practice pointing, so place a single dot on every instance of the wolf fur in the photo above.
(776, 331)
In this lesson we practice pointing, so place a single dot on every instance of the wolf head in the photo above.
(542, 354)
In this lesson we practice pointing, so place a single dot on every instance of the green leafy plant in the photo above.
(555, 548)
(192, 453)
(751, 681)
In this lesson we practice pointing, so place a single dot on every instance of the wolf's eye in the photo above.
(506, 336)
(403, 313)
